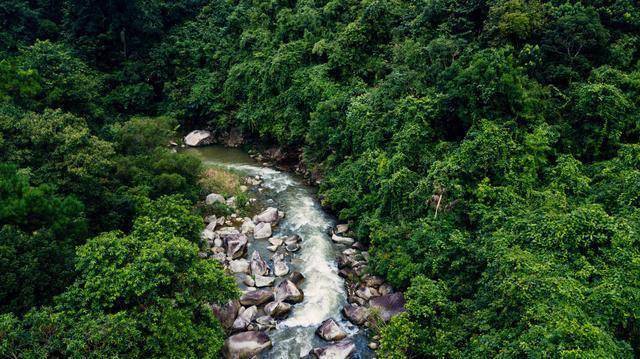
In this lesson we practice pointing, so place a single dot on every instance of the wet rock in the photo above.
(277, 309)
(247, 226)
(236, 244)
(214, 198)
(388, 305)
(355, 314)
(269, 215)
(246, 345)
(297, 278)
(265, 322)
(248, 281)
(239, 266)
(272, 248)
(198, 138)
(258, 265)
(342, 228)
(276, 241)
(340, 350)
(226, 313)
(293, 247)
(293, 239)
(262, 230)
(256, 297)
(330, 330)
(263, 281)
(244, 318)
(287, 291)
(342, 240)
(280, 267)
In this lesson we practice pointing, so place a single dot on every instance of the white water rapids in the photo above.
(324, 292)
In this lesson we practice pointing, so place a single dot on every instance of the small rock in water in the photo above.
(293, 247)
(286, 291)
(340, 350)
(342, 240)
(262, 230)
(280, 267)
(330, 330)
(276, 241)
(277, 309)
(272, 248)
(265, 322)
(263, 281)
(214, 198)
(297, 278)
(270, 215)
(258, 265)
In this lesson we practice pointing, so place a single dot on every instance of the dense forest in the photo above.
(488, 151)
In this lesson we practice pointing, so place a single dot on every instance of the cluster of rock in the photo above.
(370, 298)
(270, 288)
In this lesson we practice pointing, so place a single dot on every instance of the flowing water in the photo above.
(324, 292)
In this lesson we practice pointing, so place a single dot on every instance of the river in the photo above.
(324, 290)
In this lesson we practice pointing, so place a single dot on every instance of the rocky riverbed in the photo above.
(306, 290)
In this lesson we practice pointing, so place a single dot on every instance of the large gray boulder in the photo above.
(244, 318)
(226, 313)
(340, 350)
(264, 281)
(280, 267)
(262, 230)
(277, 309)
(286, 291)
(256, 297)
(239, 266)
(236, 244)
(258, 265)
(269, 215)
(356, 314)
(342, 240)
(246, 345)
(247, 226)
(388, 305)
(198, 138)
(330, 330)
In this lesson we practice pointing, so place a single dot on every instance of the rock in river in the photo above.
(198, 138)
(258, 265)
(330, 330)
(280, 267)
(269, 215)
(356, 314)
(256, 297)
(340, 350)
(244, 318)
(288, 292)
(277, 309)
(342, 240)
(246, 345)
(264, 281)
(262, 230)
(236, 245)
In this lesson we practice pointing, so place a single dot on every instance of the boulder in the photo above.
(208, 234)
(262, 230)
(356, 314)
(258, 265)
(226, 313)
(269, 215)
(272, 248)
(286, 291)
(276, 241)
(256, 297)
(342, 228)
(366, 293)
(293, 247)
(246, 345)
(340, 350)
(280, 267)
(214, 198)
(277, 309)
(198, 138)
(211, 226)
(210, 219)
(265, 322)
(248, 281)
(373, 281)
(264, 281)
(330, 330)
(236, 244)
(244, 318)
(342, 240)
(297, 278)
(385, 288)
(239, 266)
(247, 226)
(388, 305)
